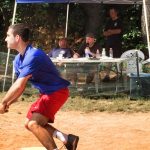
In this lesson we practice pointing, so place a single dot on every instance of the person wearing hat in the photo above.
(91, 43)
(93, 46)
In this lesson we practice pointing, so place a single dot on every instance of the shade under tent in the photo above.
(80, 1)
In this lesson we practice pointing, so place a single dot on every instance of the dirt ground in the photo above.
(97, 131)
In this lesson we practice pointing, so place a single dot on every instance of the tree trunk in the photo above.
(93, 17)
(143, 25)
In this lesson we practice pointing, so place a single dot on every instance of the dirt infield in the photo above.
(97, 131)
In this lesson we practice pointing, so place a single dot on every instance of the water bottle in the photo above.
(111, 52)
(87, 52)
(103, 52)
(97, 54)
(61, 54)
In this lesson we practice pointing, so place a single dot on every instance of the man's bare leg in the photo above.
(70, 141)
(37, 126)
(57, 134)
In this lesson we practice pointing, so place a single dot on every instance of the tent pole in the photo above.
(66, 30)
(8, 53)
(146, 23)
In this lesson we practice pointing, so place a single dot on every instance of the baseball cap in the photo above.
(91, 35)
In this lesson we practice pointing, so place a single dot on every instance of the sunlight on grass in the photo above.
(107, 105)
(111, 105)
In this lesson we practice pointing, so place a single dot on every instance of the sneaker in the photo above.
(72, 142)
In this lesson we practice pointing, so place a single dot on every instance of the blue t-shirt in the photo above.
(66, 52)
(45, 76)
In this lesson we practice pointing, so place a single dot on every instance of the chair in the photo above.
(133, 68)
(131, 65)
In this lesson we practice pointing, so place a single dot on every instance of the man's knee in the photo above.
(26, 126)
(26, 123)
(30, 125)
(36, 120)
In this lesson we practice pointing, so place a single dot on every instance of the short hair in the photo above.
(21, 30)
(64, 42)
(114, 8)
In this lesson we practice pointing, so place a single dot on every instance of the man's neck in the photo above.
(21, 48)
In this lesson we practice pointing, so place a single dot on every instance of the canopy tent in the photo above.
(80, 1)
(83, 1)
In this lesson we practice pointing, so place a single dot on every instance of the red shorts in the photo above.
(48, 105)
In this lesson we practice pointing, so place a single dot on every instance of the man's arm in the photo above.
(80, 51)
(13, 93)
(112, 32)
(109, 30)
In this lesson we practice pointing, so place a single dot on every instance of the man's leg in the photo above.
(56, 133)
(107, 71)
(45, 134)
(37, 126)
(70, 141)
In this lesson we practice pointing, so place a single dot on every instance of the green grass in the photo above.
(110, 105)
(107, 105)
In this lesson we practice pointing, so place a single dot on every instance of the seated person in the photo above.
(93, 46)
(62, 50)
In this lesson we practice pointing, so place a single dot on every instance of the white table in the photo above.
(94, 62)
(89, 60)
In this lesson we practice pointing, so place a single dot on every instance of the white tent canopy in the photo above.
(80, 1)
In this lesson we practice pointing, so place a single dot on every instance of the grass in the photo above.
(107, 105)
(87, 105)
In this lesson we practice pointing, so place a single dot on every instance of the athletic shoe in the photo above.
(72, 142)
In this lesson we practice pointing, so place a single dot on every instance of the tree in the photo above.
(93, 17)
(6, 11)
(48, 21)
(143, 20)
(143, 25)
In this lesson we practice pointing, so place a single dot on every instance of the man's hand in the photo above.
(60, 63)
(76, 55)
(3, 108)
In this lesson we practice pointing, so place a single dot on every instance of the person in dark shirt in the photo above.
(113, 38)
(113, 34)
(92, 45)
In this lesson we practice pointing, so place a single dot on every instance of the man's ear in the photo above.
(17, 37)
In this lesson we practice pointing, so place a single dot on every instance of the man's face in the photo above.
(62, 44)
(90, 40)
(11, 39)
(113, 13)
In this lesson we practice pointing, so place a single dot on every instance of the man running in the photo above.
(34, 65)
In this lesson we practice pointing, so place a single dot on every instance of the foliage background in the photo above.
(48, 22)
